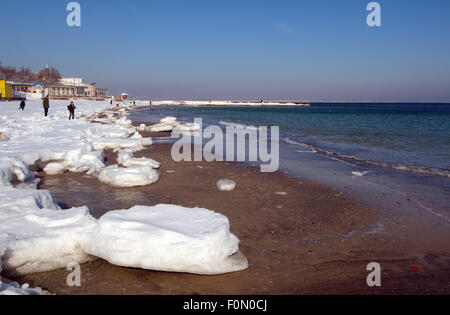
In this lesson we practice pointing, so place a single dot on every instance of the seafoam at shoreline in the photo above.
(31, 140)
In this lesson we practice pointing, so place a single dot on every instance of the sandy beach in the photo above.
(299, 237)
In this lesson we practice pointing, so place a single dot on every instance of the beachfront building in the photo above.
(75, 88)
(6, 90)
(72, 88)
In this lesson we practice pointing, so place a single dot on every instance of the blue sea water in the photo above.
(406, 145)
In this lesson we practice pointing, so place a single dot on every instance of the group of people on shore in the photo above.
(71, 108)
(46, 105)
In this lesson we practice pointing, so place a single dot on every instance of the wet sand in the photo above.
(299, 237)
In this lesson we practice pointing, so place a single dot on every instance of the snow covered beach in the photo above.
(299, 237)
(37, 236)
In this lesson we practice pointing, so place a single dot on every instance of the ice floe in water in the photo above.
(358, 174)
(128, 177)
(226, 185)
(168, 238)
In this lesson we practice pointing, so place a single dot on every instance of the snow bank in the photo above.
(128, 177)
(168, 238)
(226, 185)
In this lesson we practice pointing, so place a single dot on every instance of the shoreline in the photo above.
(309, 240)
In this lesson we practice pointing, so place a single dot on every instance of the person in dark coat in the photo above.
(22, 105)
(71, 109)
(46, 105)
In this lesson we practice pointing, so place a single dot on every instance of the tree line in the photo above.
(25, 75)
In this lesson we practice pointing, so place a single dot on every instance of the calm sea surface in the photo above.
(402, 147)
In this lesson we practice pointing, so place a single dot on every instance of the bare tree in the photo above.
(47, 75)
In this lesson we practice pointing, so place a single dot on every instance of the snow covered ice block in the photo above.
(55, 168)
(128, 177)
(125, 157)
(188, 127)
(226, 185)
(141, 127)
(168, 238)
(161, 127)
(168, 120)
(146, 141)
(44, 240)
(113, 143)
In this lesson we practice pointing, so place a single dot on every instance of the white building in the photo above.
(75, 88)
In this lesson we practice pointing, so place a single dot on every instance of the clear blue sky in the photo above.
(256, 49)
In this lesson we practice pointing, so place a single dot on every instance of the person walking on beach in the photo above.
(22, 105)
(71, 109)
(46, 105)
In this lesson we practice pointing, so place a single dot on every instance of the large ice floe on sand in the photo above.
(37, 236)
(168, 238)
